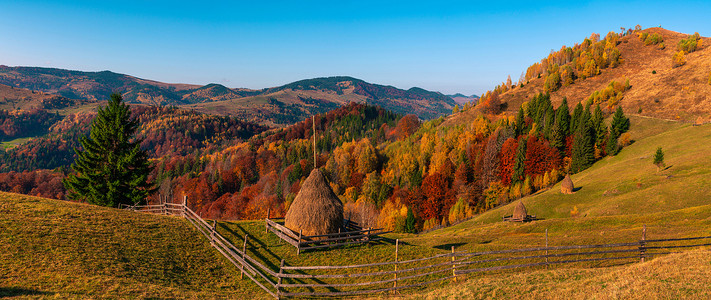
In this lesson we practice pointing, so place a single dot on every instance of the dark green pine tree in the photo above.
(111, 169)
(518, 174)
(611, 147)
(562, 116)
(549, 121)
(575, 119)
(620, 123)
(599, 127)
(520, 125)
(583, 152)
(558, 136)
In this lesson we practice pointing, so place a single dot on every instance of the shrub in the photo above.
(654, 71)
(678, 59)
(690, 44)
(653, 39)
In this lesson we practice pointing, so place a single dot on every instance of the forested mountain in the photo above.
(278, 106)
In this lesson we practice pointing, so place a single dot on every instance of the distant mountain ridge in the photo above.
(461, 98)
(277, 106)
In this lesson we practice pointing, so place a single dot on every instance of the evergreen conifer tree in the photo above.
(111, 169)
(557, 139)
(583, 152)
(410, 222)
(659, 158)
(620, 123)
(562, 116)
(599, 127)
(575, 119)
(611, 146)
(520, 125)
(518, 174)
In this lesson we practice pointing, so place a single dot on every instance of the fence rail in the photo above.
(381, 277)
(355, 235)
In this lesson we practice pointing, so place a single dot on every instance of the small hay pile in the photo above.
(567, 187)
(316, 210)
(520, 212)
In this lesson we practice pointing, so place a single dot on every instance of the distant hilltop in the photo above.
(277, 106)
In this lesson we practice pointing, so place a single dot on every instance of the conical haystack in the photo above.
(316, 209)
(567, 187)
(519, 212)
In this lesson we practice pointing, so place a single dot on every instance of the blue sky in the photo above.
(447, 46)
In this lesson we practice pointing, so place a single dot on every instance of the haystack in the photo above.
(316, 209)
(519, 212)
(567, 187)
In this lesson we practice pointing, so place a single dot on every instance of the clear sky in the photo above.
(447, 46)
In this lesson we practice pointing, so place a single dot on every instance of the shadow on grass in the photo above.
(577, 189)
(12, 292)
(448, 246)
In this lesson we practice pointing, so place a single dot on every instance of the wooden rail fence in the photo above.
(389, 276)
(305, 242)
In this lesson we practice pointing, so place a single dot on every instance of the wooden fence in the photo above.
(304, 242)
(382, 277)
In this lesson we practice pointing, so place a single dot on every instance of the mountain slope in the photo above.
(59, 249)
(672, 93)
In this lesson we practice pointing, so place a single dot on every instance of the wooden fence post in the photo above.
(281, 271)
(298, 243)
(266, 224)
(397, 245)
(244, 253)
(643, 243)
(547, 247)
(454, 268)
(185, 206)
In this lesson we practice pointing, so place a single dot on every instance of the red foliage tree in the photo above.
(434, 188)
(540, 157)
(507, 157)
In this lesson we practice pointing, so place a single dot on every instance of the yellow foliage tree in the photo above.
(679, 59)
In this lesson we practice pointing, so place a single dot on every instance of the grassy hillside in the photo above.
(677, 276)
(82, 251)
(51, 248)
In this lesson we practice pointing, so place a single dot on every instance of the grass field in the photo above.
(56, 249)
(14, 143)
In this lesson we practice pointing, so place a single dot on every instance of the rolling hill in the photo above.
(657, 89)
(277, 106)
(104, 252)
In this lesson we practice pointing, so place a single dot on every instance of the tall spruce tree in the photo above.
(562, 116)
(599, 127)
(520, 125)
(111, 169)
(583, 152)
(575, 119)
(518, 174)
(620, 123)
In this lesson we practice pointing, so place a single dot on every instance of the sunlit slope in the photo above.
(52, 248)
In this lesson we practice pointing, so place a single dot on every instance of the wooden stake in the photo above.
(281, 271)
(314, 129)
(244, 253)
(454, 268)
(397, 244)
(266, 224)
(298, 243)
(643, 243)
(546, 246)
